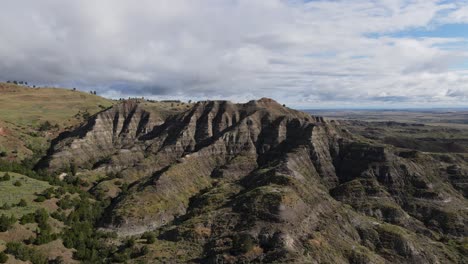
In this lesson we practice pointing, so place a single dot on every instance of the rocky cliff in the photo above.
(259, 182)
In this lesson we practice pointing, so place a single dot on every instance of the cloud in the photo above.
(303, 53)
(458, 14)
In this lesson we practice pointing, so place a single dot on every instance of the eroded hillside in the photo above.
(258, 182)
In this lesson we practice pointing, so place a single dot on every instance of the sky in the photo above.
(306, 54)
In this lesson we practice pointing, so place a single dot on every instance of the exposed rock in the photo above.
(259, 182)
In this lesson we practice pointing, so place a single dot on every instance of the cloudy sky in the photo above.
(307, 54)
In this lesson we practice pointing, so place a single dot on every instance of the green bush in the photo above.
(17, 184)
(73, 169)
(3, 257)
(59, 216)
(48, 193)
(40, 199)
(25, 253)
(243, 243)
(27, 219)
(81, 234)
(41, 216)
(22, 203)
(44, 233)
(150, 237)
(5, 206)
(66, 202)
(45, 126)
(5, 177)
(6, 222)
(120, 257)
(144, 250)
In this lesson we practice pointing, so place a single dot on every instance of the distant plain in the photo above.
(455, 117)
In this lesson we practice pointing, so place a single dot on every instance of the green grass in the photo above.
(11, 194)
(28, 106)
(23, 110)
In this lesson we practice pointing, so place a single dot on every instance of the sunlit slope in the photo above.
(23, 110)
(29, 106)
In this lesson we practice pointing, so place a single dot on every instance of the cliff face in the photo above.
(261, 182)
(108, 133)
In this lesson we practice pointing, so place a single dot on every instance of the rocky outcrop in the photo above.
(259, 182)
(108, 141)
(215, 139)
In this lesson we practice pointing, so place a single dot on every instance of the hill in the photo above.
(29, 117)
(259, 182)
(220, 182)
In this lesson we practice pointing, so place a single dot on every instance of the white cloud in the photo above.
(305, 54)
(459, 14)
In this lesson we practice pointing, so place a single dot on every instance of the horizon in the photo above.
(392, 54)
(324, 108)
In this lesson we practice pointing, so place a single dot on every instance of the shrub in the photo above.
(45, 126)
(124, 188)
(59, 216)
(66, 202)
(25, 253)
(6, 222)
(150, 237)
(41, 216)
(120, 257)
(22, 203)
(6, 177)
(40, 199)
(87, 115)
(73, 169)
(130, 242)
(44, 233)
(5, 206)
(17, 184)
(57, 260)
(144, 250)
(243, 243)
(27, 219)
(48, 193)
(3, 257)
(82, 235)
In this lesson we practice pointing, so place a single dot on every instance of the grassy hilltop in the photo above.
(31, 116)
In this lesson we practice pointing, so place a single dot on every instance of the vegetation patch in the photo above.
(19, 200)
